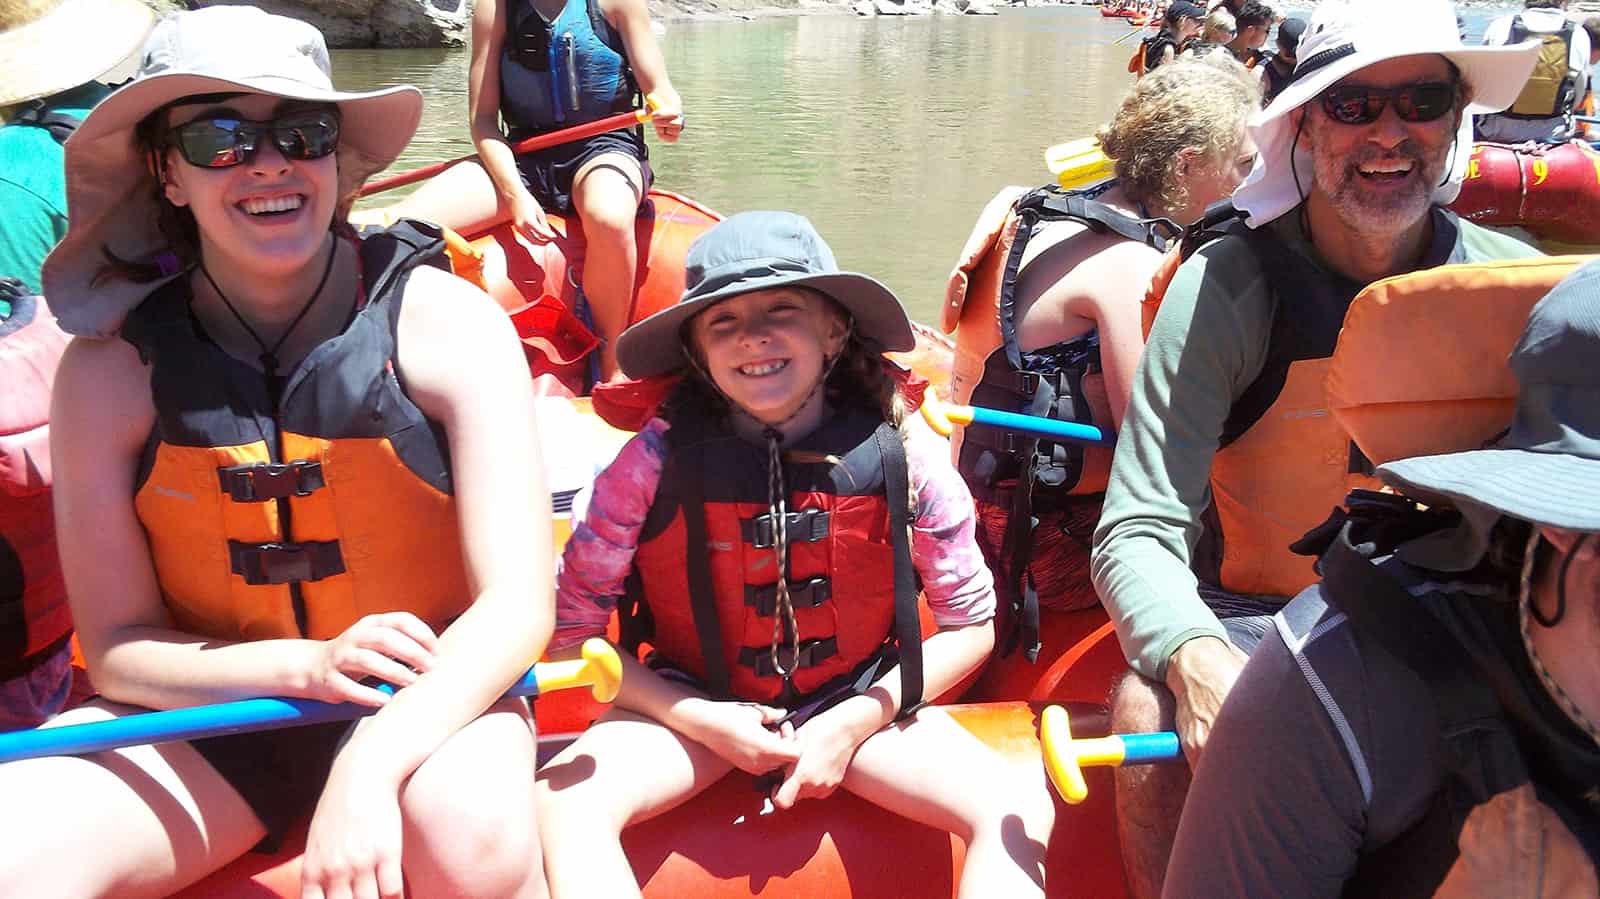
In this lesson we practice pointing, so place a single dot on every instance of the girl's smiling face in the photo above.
(270, 215)
(766, 350)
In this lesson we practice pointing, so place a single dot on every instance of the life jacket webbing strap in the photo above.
(702, 592)
(807, 594)
(285, 563)
(262, 481)
(804, 526)
(810, 654)
(907, 623)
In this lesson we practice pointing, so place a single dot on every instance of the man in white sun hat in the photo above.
(53, 54)
(1227, 453)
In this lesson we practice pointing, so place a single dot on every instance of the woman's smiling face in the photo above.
(766, 350)
(269, 215)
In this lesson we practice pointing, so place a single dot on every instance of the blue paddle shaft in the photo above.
(1073, 431)
(241, 717)
(1145, 749)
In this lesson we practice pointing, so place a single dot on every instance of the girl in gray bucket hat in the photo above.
(766, 531)
(1432, 707)
(287, 470)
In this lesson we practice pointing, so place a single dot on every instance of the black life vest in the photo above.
(1498, 729)
(1155, 48)
(1047, 383)
(36, 114)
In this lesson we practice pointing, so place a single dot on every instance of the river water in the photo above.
(889, 133)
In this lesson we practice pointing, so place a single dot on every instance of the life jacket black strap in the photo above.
(285, 563)
(907, 623)
(807, 594)
(702, 590)
(263, 481)
(810, 654)
(805, 526)
(59, 124)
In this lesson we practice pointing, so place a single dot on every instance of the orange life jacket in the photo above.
(712, 611)
(1283, 460)
(295, 516)
(1064, 381)
(34, 618)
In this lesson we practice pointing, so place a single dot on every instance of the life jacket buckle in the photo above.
(805, 526)
(262, 481)
(285, 563)
(809, 654)
(807, 594)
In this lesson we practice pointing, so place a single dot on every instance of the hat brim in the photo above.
(1496, 74)
(654, 346)
(108, 185)
(74, 43)
(1550, 489)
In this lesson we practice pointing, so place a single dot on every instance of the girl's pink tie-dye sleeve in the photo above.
(944, 548)
(600, 554)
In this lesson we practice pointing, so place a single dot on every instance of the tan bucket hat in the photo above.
(48, 46)
(111, 198)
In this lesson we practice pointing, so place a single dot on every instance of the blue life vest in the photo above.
(561, 73)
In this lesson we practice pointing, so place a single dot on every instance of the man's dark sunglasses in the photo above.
(219, 141)
(1358, 105)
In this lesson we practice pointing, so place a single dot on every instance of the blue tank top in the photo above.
(566, 72)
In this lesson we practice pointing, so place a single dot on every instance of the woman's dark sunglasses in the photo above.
(1357, 105)
(218, 141)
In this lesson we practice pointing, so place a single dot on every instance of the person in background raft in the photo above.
(1250, 26)
(1180, 144)
(1429, 708)
(293, 460)
(787, 643)
(1182, 22)
(543, 65)
(1218, 30)
(1278, 67)
(1543, 110)
(1227, 454)
(52, 55)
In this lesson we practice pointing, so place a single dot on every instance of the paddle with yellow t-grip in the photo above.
(943, 417)
(598, 668)
(1065, 756)
(1079, 163)
(543, 141)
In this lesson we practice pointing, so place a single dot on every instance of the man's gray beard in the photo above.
(1375, 216)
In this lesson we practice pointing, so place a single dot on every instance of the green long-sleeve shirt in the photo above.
(1207, 345)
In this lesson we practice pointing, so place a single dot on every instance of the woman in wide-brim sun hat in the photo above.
(301, 462)
(1344, 36)
(48, 46)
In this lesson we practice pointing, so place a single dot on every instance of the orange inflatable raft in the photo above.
(1553, 191)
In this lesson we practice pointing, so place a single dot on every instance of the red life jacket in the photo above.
(712, 612)
(34, 619)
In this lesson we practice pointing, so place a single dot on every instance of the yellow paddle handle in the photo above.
(1065, 758)
(941, 416)
(1079, 163)
(598, 667)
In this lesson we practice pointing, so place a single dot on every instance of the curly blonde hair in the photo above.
(1188, 104)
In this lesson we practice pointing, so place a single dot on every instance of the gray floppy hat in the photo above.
(1547, 469)
(756, 251)
(111, 197)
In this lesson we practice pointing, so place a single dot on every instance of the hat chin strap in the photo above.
(1528, 610)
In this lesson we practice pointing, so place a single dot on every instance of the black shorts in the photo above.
(548, 173)
(802, 707)
(279, 773)
(1246, 617)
